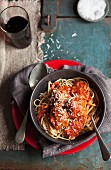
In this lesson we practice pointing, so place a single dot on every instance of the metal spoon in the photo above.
(38, 72)
(104, 150)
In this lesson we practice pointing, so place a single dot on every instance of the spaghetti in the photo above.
(64, 111)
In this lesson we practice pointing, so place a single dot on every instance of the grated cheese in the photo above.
(92, 9)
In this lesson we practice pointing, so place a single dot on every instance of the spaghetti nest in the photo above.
(64, 111)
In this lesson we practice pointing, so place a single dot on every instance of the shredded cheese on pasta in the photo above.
(64, 111)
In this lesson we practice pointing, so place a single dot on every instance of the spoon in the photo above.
(104, 150)
(38, 72)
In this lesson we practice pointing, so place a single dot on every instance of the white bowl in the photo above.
(89, 14)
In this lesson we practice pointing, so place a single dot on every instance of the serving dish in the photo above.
(67, 74)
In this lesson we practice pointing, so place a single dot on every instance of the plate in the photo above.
(31, 137)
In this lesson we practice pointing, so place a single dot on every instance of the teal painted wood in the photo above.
(75, 39)
(88, 43)
(88, 159)
(68, 8)
(59, 9)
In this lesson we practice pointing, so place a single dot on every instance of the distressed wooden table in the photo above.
(88, 43)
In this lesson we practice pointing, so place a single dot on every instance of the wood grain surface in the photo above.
(75, 39)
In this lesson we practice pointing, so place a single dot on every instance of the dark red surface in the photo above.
(31, 137)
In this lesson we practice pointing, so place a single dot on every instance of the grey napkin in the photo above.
(20, 90)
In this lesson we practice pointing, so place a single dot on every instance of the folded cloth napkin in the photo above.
(21, 91)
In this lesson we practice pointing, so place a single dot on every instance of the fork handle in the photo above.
(104, 150)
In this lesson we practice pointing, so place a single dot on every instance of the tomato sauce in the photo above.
(67, 107)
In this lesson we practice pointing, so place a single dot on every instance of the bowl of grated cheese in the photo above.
(93, 10)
